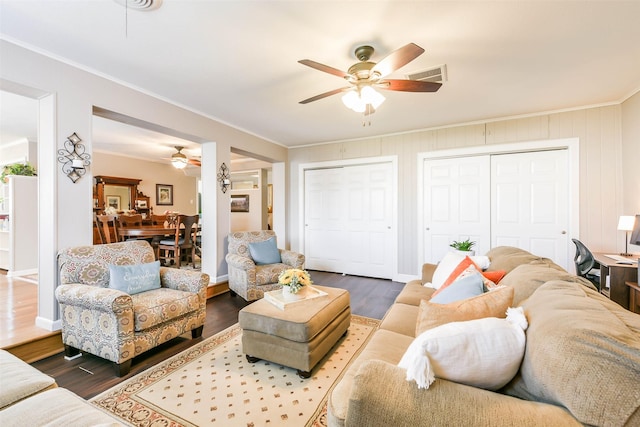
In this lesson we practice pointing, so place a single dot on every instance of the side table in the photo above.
(634, 296)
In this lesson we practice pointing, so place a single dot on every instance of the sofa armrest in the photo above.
(184, 280)
(93, 298)
(294, 259)
(240, 262)
(427, 272)
(381, 396)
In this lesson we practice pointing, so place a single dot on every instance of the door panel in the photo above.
(349, 224)
(530, 198)
(456, 204)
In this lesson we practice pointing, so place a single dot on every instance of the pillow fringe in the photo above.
(421, 371)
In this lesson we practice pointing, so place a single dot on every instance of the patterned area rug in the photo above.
(213, 384)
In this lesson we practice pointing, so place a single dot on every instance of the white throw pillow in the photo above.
(449, 263)
(484, 353)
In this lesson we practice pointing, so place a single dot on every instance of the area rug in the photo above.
(213, 384)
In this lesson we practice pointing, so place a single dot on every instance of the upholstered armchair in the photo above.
(117, 323)
(249, 277)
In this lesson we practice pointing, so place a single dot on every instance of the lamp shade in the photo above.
(626, 222)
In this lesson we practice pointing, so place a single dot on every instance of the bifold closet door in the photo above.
(530, 202)
(516, 199)
(349, 220)
(456, 204)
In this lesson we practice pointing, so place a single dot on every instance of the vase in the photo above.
(288, 295)
(464, 253)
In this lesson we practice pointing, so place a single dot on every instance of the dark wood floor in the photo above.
(88, 375)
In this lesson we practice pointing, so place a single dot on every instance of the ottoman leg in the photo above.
(252, 359)
(303, 374)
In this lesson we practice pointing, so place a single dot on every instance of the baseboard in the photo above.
(217, 289)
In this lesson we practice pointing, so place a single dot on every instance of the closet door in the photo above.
(349, 220)
(456, 204)
(530, 202)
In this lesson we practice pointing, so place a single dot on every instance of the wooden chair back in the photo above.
(130, 220)
(158, 220)
(107, 228)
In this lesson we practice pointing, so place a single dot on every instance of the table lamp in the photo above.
(626, 224)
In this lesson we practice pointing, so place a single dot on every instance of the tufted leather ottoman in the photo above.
(298, 336)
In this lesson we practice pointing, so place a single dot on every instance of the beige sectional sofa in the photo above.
(30, 398)
(581, 363)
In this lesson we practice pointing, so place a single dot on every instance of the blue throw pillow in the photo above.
(134, 279)
(265, 252)
(467, 287)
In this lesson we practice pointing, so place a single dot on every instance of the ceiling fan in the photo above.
(180, 161)
(365, 76)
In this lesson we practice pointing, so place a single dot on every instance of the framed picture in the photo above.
(164, 194)
(141, 204)
(239, 203)
(113, 201)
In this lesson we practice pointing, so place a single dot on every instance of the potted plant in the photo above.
(464, 247)
(24, 169)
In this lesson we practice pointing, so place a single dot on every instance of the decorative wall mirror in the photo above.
(115, 191)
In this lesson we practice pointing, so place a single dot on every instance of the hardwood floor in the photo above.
(88, 375)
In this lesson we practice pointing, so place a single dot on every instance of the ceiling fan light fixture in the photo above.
(179, 160)
(358, 101)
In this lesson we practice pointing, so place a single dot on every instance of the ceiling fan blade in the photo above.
(409, 85)
(322, 67)
(324, 95)
(194, 162)
(397, 59)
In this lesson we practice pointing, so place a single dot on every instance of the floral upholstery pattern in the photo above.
(249, 280)
(117, 326)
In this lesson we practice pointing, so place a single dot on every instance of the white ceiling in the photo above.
(236, 61)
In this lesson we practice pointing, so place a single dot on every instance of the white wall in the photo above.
(606, 182)
(76, 93)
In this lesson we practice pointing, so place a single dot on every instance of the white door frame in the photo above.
(572, 145)
(345, 163)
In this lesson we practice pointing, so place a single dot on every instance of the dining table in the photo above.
(148, 231)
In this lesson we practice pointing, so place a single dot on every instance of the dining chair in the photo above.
(128, 221)
(158, 220)
(107, 228)
(183, 240)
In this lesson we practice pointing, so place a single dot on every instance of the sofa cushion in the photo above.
(414, 292)
(467, 287)
(582, 353)
(489, 304)
(484, 353)
(20, 380)
(154, 307)
(401, 318)
(135, 278)
(526, 278)
(507, 258)
(265, 252)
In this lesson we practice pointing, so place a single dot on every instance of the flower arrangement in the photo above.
(295, 279)
(110, 210)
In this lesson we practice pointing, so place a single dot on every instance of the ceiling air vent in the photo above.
(435, 74)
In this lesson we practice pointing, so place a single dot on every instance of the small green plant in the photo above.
(24, 169)
(465, 245)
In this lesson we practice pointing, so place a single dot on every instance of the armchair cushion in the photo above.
(265, 252)
(133, 279)
(161, 305)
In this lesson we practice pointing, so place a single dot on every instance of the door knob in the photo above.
(564, 232)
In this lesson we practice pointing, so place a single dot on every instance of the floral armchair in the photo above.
(116, 325)
(249, 279)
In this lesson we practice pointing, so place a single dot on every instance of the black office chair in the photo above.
(586, 265)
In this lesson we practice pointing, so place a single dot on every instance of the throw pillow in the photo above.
(489, 304)
(265, 252)
(494, 276)
(449, 262)
(484, 353)
(135, 278)
(465, 268)
(467, 287)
